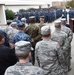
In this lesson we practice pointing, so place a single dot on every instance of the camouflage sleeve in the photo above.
(70, 36)
(36, 55)
(60, 54)
(14, 39)
(6, 72)
(66, 43)
(26, 29)
(40, 72)
(38, 37)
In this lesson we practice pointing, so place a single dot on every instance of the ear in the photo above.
(3, 40)
(29, 54)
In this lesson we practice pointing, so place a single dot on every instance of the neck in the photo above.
(41, 22)
(58, 28)
(1, 43)
(46, 37)
(21, 30)
(63, 24)
(23, 60)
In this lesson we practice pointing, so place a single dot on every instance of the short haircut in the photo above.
(22, 56)
(46, 35)
(1, 37)
(32, 20)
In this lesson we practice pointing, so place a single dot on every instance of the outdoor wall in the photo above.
(2, 14)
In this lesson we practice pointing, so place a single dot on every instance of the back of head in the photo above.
(9, 22)
(15, 16)
(2, 39)
(22, 48)
(21, 25)
(23, 19)
(41, 18)
(45, 30)
(63, 20)
(32, 19)
(57, 24)
(14, 24)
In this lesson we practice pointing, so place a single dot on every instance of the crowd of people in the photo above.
(50, 14)
(70, 12)
(22, 44)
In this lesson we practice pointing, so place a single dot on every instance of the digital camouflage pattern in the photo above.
(61, 37)
(23, 69)
(21, 36)
(7, 28)
(68, 32)
(11, 34)
(34, 32)
(35, 35)
(70, 37)
(50, 57)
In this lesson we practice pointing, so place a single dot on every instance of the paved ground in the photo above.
(72, 45)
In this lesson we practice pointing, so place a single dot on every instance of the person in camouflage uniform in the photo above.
(21, 35)
(8, 26)
(34, 33)
(12, 32)
(23, 67)
(41, 21)
(61, 37)
(70, 37)
(24, 20)
(49, 54)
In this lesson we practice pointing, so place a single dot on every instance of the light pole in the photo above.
(67, 15)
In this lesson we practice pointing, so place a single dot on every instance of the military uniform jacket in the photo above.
(68, 32)
(41, 25)
(60, 37)
(34, 32)
(50, 57)
(7, 28)
(21, 36)
(11, 34)
(24, 69)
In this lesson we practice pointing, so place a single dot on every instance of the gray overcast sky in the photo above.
(34, 0)
(30, 1)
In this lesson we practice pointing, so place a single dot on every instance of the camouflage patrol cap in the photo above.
(9, 22)
(14, 24)
(45, 30)
(15, 15)
(23, 19)
(22, 47)
(41, 16)
(57, 23)
(32, 17)
(63, 20)
(21, 24)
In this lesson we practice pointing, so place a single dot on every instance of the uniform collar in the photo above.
(46, 39)
(58, 30)
(24, 64)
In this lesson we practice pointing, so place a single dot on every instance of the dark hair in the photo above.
(1, 36)
(9, 22)
(58, 26)
(46, 35)
(32, 20)
(22, 56)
